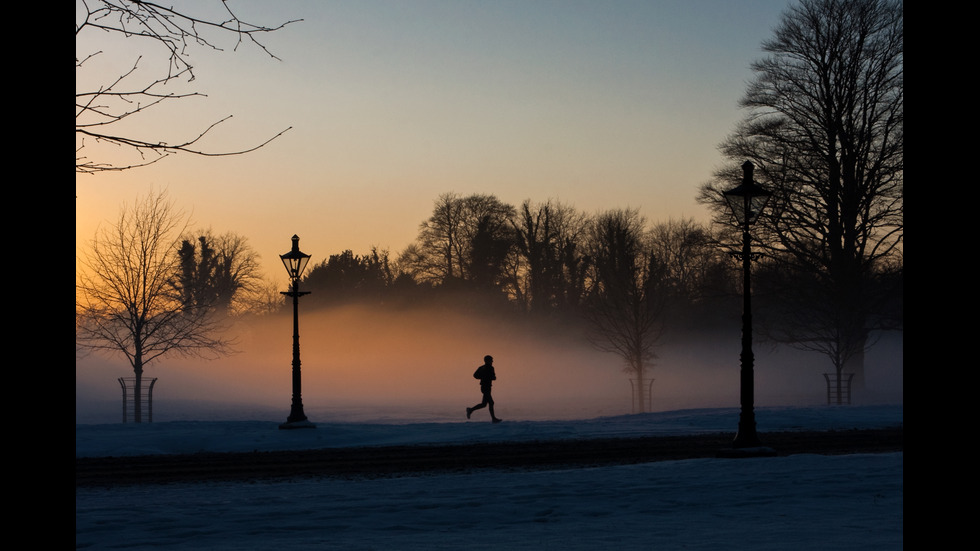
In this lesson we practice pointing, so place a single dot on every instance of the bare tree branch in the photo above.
(175, 32)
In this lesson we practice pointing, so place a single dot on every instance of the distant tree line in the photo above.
(540, 260)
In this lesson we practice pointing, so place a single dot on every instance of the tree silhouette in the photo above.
(219, 272)
(628, 293)
(463, 244)
(550, 273)
(125, 299)
(825, 132)
(699, 276)
(347, 278)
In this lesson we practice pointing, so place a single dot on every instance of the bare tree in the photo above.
(461, 242)
(102, 113)
(627, 293)
(268, 299)
(548, 274)
(491, 243)
(825, 131)
(697, 270)
(437, 256)
(219, 272)
(125, 300)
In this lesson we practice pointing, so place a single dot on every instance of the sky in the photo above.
(801, 502)
(390, 104)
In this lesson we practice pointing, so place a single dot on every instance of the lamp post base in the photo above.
(304, 424)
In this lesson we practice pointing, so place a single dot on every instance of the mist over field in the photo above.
(417, 365)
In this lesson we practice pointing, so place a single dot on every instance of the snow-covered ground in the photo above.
(798, 502)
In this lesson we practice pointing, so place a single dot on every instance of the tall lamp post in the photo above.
(747, 201)
(295, 262)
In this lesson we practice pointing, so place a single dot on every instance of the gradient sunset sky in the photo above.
(597, 104)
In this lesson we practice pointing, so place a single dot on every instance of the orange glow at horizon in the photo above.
(413, 363)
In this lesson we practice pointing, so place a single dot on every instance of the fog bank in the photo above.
(415, 365)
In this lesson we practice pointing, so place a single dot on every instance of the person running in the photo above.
(486, 374)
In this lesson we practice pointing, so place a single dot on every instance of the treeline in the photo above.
(538, 260)
(545, 262)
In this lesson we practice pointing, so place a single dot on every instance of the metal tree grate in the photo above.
(128, 385)
(838, 388)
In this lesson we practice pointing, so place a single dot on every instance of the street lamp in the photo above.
(747, 201)
(295, 262)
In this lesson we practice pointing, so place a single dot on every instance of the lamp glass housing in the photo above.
(747, 204)
(295, 261)
(748, 198)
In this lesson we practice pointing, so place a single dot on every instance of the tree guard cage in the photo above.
(838, 388)
(636, 392)
(128, 385)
